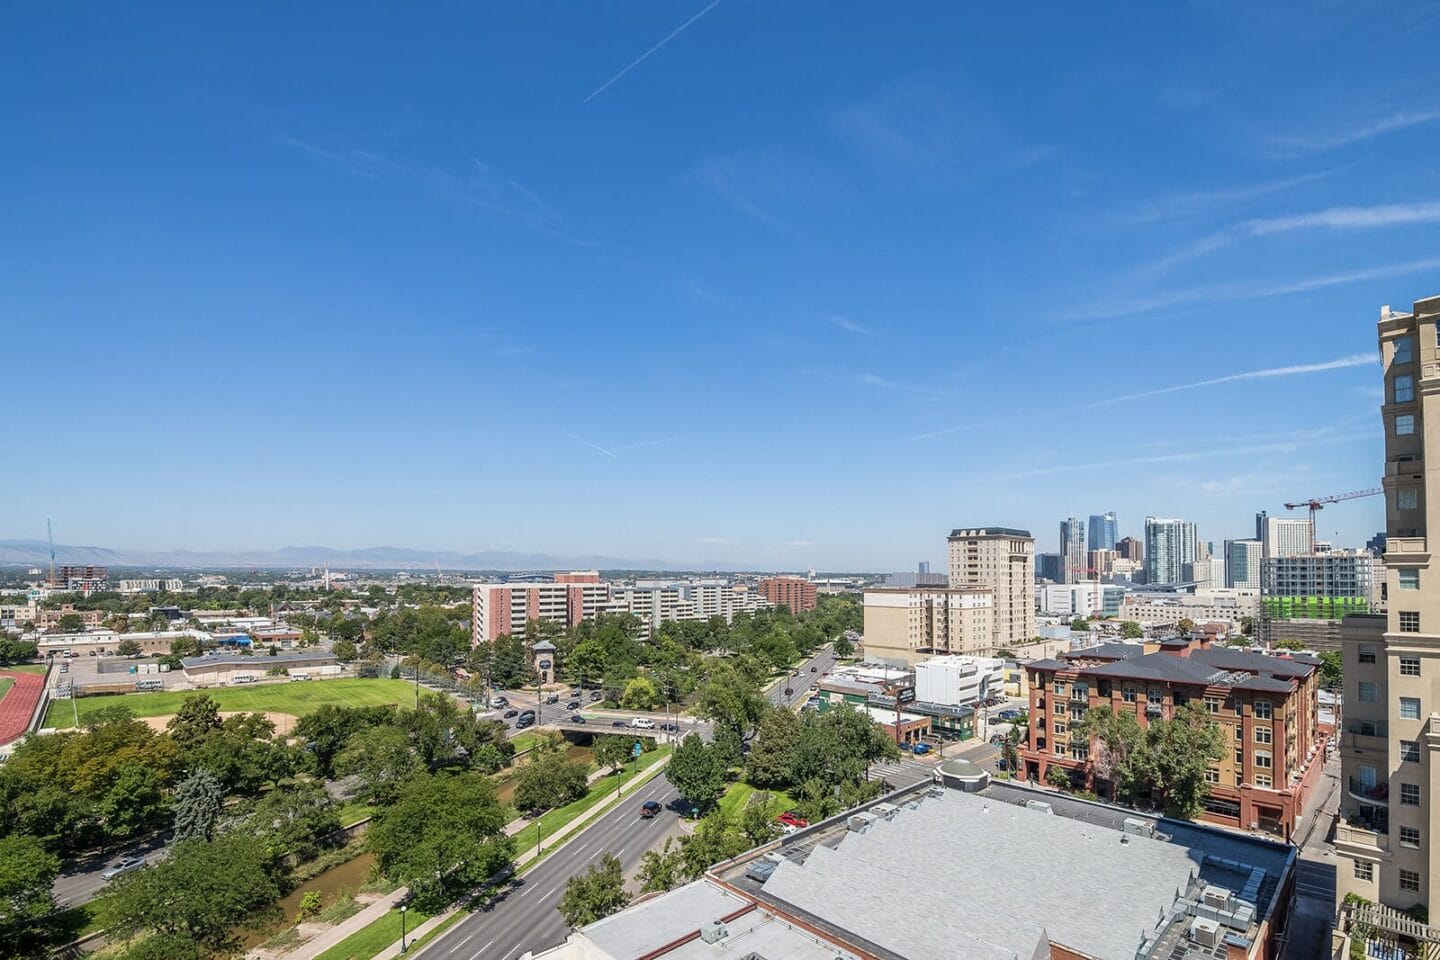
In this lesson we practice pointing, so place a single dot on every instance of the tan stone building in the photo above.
(911, 624)
(1390, 741)
(1002, 559)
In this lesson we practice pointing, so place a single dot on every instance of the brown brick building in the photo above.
(796, 593)
(1266, 705)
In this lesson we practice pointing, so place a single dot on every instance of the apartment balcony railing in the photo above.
(1404, 468)
(1404, 546)
(1358, 835)
(1368, 792)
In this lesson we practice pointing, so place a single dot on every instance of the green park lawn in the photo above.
(296, 699)
(5, 684)
(737, 798)
(368, 941)
(26, 667)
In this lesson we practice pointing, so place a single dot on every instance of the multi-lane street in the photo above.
(82, 881)
(525, 915)
(800, 680)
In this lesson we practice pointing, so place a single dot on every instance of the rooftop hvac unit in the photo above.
(1040, 805)
(861, 821)
(717, 931)
(1217, 897)
(1137, 827)
(1204, 932)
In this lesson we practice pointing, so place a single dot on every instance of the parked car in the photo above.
(508, 714)
(123, 866)
(619, 723)
(649, 810)
(299, 677)
(998, 719)
(643, 723)
(1009, 714)
(921, 748)
(576, 718)
(792, 819)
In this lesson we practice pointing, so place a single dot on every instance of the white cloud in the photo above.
(1350, 218)
(1339, 363)
(850, 326)
(1357, 133)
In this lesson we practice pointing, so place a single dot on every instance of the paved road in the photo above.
(800, 680)
(82, 882)
(525, 917)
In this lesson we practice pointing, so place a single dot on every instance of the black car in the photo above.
(789, 691)
(649, 810)
(595, 695)
(619, 723)
(813, 669)
(670, 727)
(573, 705)
(576, 718)
(511, 713)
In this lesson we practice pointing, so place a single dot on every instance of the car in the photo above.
(814, 687)
(1009, 714)
(921, 748)
(577, 718)
(792, 819)
(996, 739)
(596, 695)
(498, 702)
(813, 669)
(670, 727)
(789, 691)
(510, 714)
(573, 705)
(619, 723)
(553, 698)
(123, 866)
(643, 723)
(649, 809)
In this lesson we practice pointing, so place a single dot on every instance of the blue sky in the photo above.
(806, 285)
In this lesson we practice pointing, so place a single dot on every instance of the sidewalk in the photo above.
(375, 911)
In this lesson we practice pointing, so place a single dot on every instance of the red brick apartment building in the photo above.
(1267, 706)
(796, 593)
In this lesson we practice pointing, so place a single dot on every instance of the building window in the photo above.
(1367, 728)
(1409, 751)
(1410, 794)
(1367, 691)
(1367, 653)
(1409, 881)
(1365, 870)
(1212, 776)
(1239, 757)
(1156, 697)
(1404, 388)
(1404, 350)
(1409, 666)
(1407, 498)
(1263, 710)
(1263, 735)
(1059, 688)
(1409, 578)
(1060, 727)
(1239, 733)
(1410, 837)
(1409, 708)
(1128, 694)
(1263, 759)
(1405, 425)
(1409, 621)
(1263, 780)
(1212, 704)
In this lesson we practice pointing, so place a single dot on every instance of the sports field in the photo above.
(297, 699)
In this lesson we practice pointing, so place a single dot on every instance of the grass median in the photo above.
(370, 940)
(601, 790)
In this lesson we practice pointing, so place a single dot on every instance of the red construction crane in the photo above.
(1318, 504)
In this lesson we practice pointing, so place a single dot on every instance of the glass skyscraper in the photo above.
(1104, 532)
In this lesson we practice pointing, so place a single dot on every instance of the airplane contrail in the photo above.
(612, 451)
(644, 56)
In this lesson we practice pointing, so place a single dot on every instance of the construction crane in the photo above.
(1318, 503)
(50, 534)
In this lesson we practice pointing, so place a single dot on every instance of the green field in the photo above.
(368, 941)
(26, 667)
(737, 798)
(297, 699)
(5, 684)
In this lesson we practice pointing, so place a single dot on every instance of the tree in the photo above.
(295, 820)
(839, 745)
(715, 839)
(201, 893)
(70, 623)
(1178, 752)
(772, 755)
(548, 782)
(595, 894)
(197, 718)
(197, 804)
(326, 731)
(186, 646)
(843, 647)
(697, 771)
(612, 752)
(1116, 740)
(127, 648)
(381, 757)
(661, 870)
(133, 799)
(1288, 645)
(1130, 630)
(1010, 748)
(344, 650)
(640, 694)
(444, 834)
(17, 651)
(1057, 776)
(27, 872)
(1331, 668)
(1185, 626)
(1005, 653)
(1247, 626)
(1080, 625)
(756, 821)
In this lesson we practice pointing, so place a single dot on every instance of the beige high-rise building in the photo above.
(1003, 559)
(1387, 841)
(911, 624)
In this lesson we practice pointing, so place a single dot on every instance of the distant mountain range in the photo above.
(37, 553)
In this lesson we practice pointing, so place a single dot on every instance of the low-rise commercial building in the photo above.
(219, 669)
(1266, 705)
(45, 619)
(106, 643)
(955, 681)
(1151, 609)
(906, 625)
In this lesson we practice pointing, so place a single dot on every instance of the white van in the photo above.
(243, 679)
(643, 723)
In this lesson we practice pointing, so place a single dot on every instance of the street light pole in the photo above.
(403, 947)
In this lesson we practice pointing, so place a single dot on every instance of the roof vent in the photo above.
(1205, 932)
(717, 931)
(1217, 897)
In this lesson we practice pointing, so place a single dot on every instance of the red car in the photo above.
(792, 819)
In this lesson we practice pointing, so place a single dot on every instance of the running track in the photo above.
(19, 703)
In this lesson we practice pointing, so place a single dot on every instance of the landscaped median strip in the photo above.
(558, 826)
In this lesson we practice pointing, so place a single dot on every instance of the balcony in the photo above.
(1378, 793)
(1401, 547)
(1368, 742)
(1404, 468)
(1360, 838)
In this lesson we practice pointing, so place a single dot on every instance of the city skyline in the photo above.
(278, 285)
